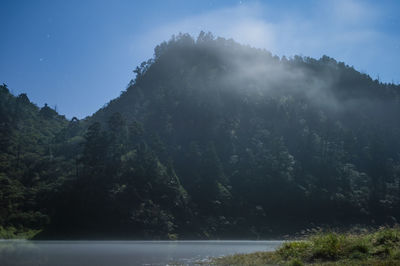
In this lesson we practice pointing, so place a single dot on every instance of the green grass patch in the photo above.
(381, 247)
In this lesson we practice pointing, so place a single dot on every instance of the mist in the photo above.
(247, 122)
(349, 31)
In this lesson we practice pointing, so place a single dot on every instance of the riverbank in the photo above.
(17, 233)
(380, 247)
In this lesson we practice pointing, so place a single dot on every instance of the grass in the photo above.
(381, 247)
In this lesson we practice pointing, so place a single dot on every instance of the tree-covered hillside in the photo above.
(29, 167)
(211, 139)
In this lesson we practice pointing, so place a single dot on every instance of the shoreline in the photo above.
(380, 247)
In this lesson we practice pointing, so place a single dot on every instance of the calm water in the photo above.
(118, 253)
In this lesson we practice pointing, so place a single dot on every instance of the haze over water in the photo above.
(118, 253)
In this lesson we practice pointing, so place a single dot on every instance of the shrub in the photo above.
(295, 250)
(327, 246)
(387, 237)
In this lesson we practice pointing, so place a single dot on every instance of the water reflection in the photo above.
(116, 253)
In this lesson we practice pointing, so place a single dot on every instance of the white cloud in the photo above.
(353, 12)
(344, 29)
(243, 23)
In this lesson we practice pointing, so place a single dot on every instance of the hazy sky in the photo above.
(79, 54)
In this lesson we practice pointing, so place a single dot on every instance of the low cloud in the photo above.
(344, 29)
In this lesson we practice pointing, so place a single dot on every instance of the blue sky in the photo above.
(78, 55)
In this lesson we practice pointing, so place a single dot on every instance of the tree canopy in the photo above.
(212, 139)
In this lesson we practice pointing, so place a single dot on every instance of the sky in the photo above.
(78, 55)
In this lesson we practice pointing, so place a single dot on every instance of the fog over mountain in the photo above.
(212, 139)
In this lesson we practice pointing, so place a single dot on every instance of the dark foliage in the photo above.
(212, 139)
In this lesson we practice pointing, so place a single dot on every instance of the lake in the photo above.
(118, 253)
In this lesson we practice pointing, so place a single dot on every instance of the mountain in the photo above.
(28, 167)
(212, 139)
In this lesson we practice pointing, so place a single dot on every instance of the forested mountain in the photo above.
(29, 169)
(212, 139)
